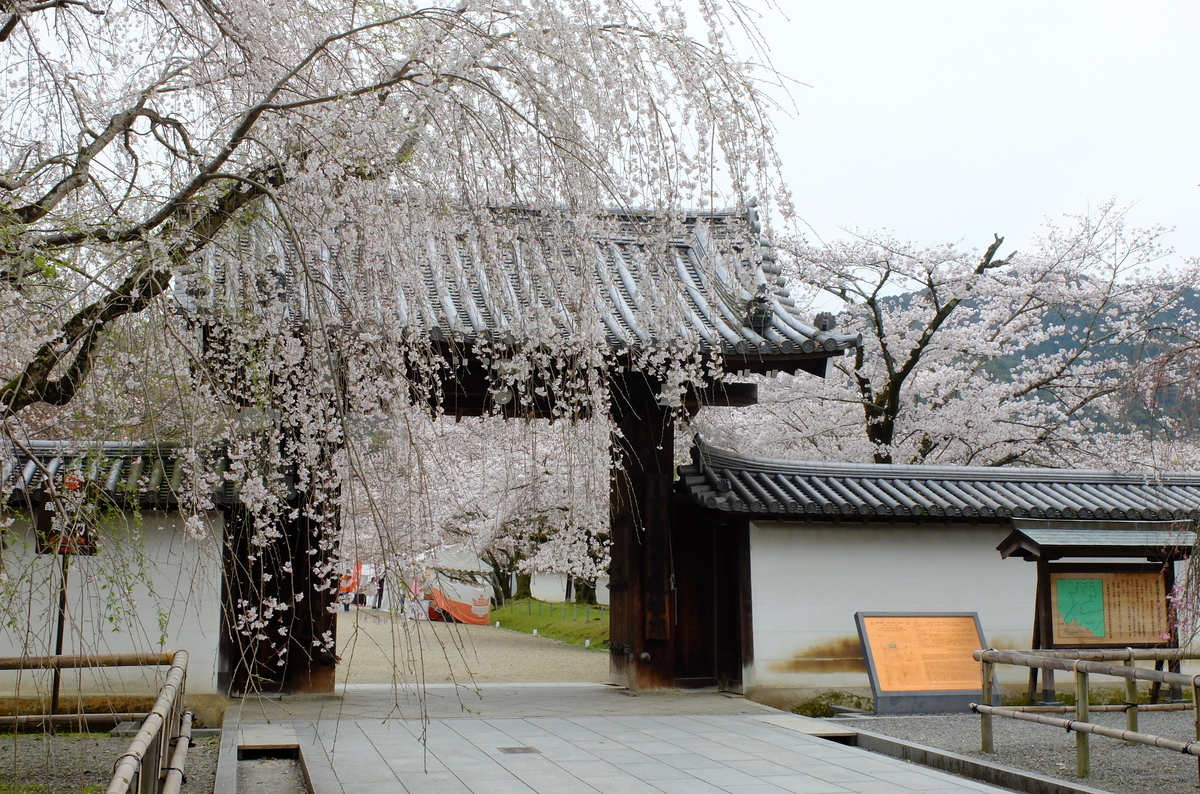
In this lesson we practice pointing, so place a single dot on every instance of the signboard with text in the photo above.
(65, 525)
(921, 662)
(1110, 608)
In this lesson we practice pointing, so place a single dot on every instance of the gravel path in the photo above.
(377, 648)
(72, 763)
(1050, 751)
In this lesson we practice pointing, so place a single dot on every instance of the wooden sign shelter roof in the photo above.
(733, 483)
(1046, 540)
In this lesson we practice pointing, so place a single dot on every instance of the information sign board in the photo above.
(921, 662)
(1109, 609)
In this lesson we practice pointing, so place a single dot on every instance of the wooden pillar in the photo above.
(641, 572)
(735, 634)
(1045, 624)
(310, 666)
(280, 572)
(270, 576)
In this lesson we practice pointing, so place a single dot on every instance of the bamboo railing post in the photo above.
(1196, 717)
(986, 742)
(1131, 698)
(139, 767)
(1083, 761)
(173, 778)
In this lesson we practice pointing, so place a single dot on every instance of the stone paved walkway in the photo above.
(563, 739)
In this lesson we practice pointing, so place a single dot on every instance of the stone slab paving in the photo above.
(563, 739)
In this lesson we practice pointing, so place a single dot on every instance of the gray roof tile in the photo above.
(1046, 540)
(729, 482)
(146, 475)
(723, 276)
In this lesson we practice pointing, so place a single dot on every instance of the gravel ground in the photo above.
(377, 648)
(72, 763)
(1050, 751)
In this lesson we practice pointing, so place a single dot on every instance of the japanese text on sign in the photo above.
(923, 653)
(1109, 608)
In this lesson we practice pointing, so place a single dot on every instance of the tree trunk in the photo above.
(881, 430)
(585, 591)
(523, 586)
(501, 577)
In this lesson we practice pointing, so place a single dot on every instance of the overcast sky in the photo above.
(948, 121)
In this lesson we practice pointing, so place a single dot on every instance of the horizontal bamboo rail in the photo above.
(1116, 654)
(150, 740)
(96, 660)
(1106, 707)
(1187, 748)
(1083, 666)
(103, 718)
(1083, 669)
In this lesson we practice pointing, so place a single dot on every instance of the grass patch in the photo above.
(21, 788)
(571, 623)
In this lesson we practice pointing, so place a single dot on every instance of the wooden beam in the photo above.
(468, 389)
(722, 395)
(812, 363)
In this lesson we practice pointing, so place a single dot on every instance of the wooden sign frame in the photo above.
(926, 699)
(1049, 575)
(51, 516)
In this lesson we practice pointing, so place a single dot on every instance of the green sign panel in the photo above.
(1081, 602)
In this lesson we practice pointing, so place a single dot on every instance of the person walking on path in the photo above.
(379, 593)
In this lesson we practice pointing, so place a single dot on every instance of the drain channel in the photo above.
(270, 770)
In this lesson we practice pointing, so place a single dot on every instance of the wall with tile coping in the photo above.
(150, 587)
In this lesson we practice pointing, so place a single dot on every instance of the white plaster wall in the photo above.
(546, 586)
(603, 595)
(808, 580)
(149, 588)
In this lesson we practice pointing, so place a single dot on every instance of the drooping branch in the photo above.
(16, 12)
(75, 345)
(242, 131)
(78, 176)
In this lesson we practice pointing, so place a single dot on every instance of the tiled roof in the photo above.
(147, 475)
(1051, 540)
(720, 272)
(734, 483)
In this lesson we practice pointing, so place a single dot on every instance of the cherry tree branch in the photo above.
(73, 348)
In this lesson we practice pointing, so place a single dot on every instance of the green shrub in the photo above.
(822, 705)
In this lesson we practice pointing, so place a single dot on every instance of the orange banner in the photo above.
(478, 612)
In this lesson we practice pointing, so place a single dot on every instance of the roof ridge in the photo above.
(720, 458)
